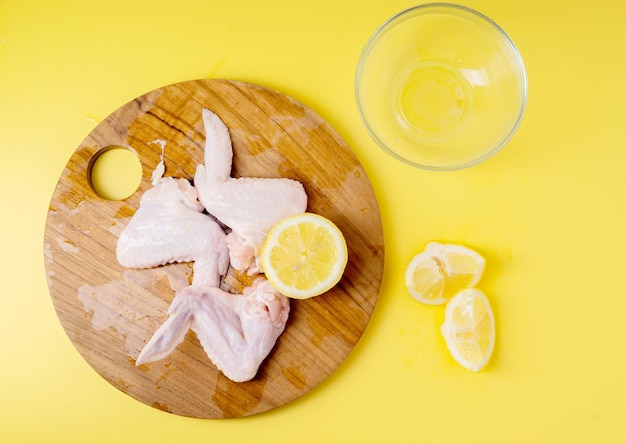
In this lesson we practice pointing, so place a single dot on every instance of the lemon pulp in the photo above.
(441, 270)
(304, 255)
(469, 329)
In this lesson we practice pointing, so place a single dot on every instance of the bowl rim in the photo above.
(518, 58)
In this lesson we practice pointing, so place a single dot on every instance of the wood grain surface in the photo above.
(109, 312)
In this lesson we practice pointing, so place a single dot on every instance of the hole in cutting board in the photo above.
(115, 173)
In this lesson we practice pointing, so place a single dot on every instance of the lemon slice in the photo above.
(304, 255)
(469, 329)
(442, 270)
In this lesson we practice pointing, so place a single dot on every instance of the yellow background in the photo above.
(548, 212)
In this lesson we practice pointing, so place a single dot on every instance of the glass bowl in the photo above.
(441, 87)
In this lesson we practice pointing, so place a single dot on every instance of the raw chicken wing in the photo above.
(168, 227)
(250, 207)
(236, 331)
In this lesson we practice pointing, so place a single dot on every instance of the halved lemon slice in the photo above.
(442, 270)
(304, 255)
(469, 329)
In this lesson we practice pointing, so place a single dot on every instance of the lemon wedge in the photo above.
(442, 270)
(469, 329)
(304, 255)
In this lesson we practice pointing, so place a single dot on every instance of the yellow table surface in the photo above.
(548, 212)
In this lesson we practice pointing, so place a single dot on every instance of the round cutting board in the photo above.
(109, 312)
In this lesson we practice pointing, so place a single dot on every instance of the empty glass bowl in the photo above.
(441, 87)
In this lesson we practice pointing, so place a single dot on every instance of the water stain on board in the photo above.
(161, 406)
(294, 376)
(111, 307)
(236, 399)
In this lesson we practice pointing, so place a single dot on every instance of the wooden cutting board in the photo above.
(109, 312)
